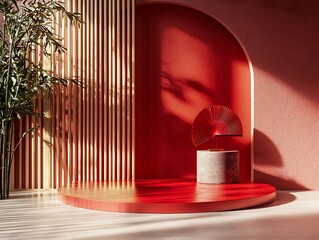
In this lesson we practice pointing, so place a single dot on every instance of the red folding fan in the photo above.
(215, 120)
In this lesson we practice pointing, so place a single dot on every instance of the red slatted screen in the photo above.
(87, 133)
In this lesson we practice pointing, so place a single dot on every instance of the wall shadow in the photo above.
(281, 183)
(265, 151)
(268, 158)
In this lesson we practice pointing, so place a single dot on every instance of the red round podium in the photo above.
(165, 196)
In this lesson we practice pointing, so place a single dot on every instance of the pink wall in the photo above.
(282, 40)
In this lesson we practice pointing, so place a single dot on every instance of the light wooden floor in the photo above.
(39, 215)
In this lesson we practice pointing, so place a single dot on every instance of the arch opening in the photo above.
(185, 60)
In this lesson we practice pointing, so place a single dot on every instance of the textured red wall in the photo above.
(185, 60)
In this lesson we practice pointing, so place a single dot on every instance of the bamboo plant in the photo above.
(26, 28)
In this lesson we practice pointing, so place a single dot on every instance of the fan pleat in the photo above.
(215, 120)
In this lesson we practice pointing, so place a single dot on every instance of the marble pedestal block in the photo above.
(217, 167)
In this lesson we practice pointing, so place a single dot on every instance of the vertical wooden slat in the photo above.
(27, 156)
(53, 123)
(110, 79)
(59, 104)
(128, 99)
(75, 117)
(40, 143)
(91, 89)
(105, 44)
(100, 89)
(95, 89)
(13, 172)
(133, 89)
(64, 71)
(87, 92)
(20, 158)
(118, 92)
(69, 109)
(113, 91)
(123, 80)
(34, 58)
(81, 97)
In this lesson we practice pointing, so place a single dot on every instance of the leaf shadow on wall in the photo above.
(175, 86)
(177, 139)
(267, 156)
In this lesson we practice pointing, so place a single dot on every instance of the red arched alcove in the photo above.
(185, 61)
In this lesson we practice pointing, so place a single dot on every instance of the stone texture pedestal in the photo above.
(218, 167)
